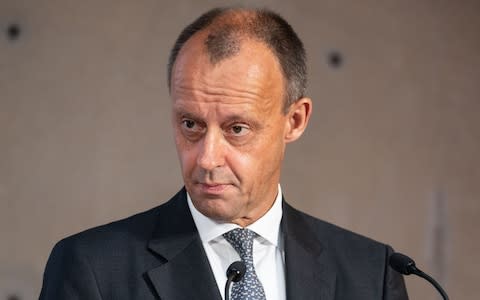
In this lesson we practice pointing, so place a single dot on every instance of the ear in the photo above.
(298, 116)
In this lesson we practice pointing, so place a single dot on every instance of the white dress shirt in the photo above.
(268, 251)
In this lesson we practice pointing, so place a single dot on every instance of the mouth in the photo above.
(212, 188)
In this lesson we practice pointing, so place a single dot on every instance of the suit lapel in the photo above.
(309, 273)
(185, 273)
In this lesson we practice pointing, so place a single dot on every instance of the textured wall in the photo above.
(392, 150)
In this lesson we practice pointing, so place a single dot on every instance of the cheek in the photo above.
(257, 162)
(270, 153)
(186, 155)
(244, 163)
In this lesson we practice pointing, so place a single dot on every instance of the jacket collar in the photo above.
(308, 270)
(185, 272)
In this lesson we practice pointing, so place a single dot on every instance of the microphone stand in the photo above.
(406, 266)
(427, 277)
(235, 273)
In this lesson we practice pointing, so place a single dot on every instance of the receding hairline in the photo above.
(227, 28)
(235, 27)
(195, 52)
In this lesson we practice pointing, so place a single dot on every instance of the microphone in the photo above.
(235, 273)
(406, 266)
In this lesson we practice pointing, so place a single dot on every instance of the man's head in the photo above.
(237, 80)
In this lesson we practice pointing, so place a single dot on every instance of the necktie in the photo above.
(249, 288)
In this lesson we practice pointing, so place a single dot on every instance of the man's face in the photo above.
(229, 129)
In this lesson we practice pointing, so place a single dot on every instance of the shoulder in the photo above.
(338, 240)
(118, 234)
(87, 262)
(356, 260)
(123, 233)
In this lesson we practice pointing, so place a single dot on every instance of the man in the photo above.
(237, 81)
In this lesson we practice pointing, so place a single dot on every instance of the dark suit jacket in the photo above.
(158, 254)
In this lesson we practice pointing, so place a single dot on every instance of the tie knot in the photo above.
(242, 241)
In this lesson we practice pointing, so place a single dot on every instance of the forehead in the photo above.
(252, 71)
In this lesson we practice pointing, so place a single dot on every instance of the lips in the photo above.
(213, 188)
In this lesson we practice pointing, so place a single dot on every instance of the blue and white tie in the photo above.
(249, 288)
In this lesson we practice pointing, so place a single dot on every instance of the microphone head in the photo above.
(236, 271)
(402, 264)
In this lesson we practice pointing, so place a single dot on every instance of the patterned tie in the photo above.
(249, 288)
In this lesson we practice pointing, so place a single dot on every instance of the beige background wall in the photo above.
(392, 150)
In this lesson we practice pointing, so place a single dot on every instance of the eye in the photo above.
(191, 126)
(188, 123)
(239, 129)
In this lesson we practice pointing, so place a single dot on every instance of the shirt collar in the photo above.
(268, 226)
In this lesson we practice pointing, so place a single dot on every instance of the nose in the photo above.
(211, 153)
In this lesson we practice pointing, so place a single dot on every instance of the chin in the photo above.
(215, 209)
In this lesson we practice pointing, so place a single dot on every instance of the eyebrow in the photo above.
(231, 118)
(183, 114)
